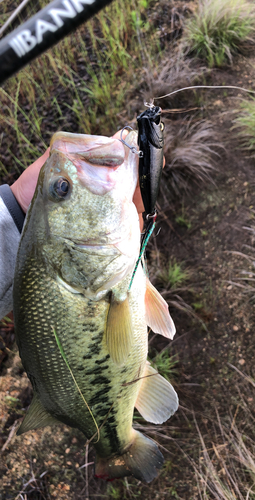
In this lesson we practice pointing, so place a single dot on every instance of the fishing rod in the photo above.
(42, 31)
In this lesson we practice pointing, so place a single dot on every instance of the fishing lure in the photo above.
(150, 143)
(151, 156)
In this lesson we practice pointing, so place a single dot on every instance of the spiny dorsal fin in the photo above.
(36, 417)
(157, 314)
(119, 331)
(157, 400)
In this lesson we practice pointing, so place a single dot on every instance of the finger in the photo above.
(118, 134)
(24, 188)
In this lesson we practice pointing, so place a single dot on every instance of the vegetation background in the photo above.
(201, 257)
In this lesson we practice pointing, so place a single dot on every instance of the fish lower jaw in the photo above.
(100, 249)
(88, 293)
(95, 296)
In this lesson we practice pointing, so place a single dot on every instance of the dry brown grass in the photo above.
(191, 150)
(226, 468)
(171, 74)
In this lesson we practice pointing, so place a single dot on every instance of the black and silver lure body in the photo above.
(151, 157)
(150, 143)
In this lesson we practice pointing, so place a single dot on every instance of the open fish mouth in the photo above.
(97, 150)
(91, 246)
(96, 158)
(98, 249)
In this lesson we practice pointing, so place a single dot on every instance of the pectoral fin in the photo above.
(119, 331)
(157, 400)
(36, 417)
(157, 315)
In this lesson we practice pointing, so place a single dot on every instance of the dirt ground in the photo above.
(55, 463)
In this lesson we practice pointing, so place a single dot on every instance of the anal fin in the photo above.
(157, 400)
(119, 330)
(157, 313)
(36, 417)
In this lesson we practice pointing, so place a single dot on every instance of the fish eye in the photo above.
(162, 126)
(60, 188)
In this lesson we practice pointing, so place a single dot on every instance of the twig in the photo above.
(12, 431)
(180, 110)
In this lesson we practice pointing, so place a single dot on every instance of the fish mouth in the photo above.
(92, 246)
(96, 158)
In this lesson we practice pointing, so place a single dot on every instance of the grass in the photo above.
(228, 471)
(226, 467)
(191, 150)
(245, 280)
(166, 364)
(219, 29)
(79, 86)
(245, 125)
(172, 73)
(173, 275)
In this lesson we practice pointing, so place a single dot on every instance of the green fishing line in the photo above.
(146, 239)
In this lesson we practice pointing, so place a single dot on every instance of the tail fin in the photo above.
(142, 460)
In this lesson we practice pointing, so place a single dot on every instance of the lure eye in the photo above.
(60, 188)
(162, 126)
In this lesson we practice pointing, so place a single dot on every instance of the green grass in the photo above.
(245, 125)
(166, 364)
(173, 275)
(80, 85)
(219, 29)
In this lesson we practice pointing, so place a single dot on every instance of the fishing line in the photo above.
(76, 384)
(146, 237)
(199, 87)
(104, 421)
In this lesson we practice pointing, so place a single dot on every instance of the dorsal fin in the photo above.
(36, 417)
(156, 312)
(119, 330)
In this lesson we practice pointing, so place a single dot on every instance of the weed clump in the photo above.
(245, 123)
(190, 152)
(219, 29)
(165, 363)
(172, 74)
(173, 276)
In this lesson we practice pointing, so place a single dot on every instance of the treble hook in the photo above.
(133, 149)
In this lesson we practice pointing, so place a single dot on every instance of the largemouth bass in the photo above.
(81, 330)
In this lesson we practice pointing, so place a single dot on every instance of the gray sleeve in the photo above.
(9, 242)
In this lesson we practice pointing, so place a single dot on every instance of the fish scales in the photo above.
(41, 344)
(71, 302)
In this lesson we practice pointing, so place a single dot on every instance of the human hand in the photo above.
(24, 187)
